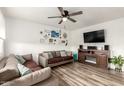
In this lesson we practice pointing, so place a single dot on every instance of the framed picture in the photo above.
(63, 41)
(55, 34)
(50, 40)
(65, 35)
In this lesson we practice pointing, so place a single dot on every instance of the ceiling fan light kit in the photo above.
(65, 15)
(64, 19)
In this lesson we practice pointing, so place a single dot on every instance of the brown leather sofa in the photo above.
(39, 76)
(56, 58)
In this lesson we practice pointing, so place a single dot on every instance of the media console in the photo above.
(98, 58)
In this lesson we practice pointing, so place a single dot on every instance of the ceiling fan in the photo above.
(65, 15)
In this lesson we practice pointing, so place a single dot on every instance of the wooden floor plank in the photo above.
(79, 74)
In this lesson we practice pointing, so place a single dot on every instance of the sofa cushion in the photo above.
(35, 69)
(23, 70)
(27, 57)
(69, 53)
(50, 55)
(63, 53)
(67, 58)
(20, 59)
(58, 54)
(46, 55)
(54, 60)
(10, 70)
(32, 65)
(53, 53)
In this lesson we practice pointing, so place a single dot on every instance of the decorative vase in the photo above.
(118, 68)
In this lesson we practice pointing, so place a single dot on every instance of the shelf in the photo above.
(98, 58)
(90, 61)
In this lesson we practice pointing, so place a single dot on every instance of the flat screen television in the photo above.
(94, 37)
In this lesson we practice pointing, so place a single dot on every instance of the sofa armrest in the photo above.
(31, 78)
(3, 62)
(43, 61)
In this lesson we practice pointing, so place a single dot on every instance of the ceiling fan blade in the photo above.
(60, 21)
(61, 10)
(71, 19)
(76, 13)
(55, 17)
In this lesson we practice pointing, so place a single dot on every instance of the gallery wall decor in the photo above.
(55, 34)
(65, 35)
(53, 37)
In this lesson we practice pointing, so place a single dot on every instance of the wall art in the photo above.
(51, 40)
(55, 34)
(65, 35)
(53, 37)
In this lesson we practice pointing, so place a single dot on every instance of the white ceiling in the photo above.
(91, 15)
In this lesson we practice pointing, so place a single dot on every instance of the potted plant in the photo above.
(109, 64)
(118, 61)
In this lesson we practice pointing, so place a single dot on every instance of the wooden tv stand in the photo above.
(101, 57)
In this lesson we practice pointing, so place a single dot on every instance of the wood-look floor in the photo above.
(79, 74)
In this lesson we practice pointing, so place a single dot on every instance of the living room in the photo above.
(28, 30)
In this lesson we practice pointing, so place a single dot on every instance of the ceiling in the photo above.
(91, 15)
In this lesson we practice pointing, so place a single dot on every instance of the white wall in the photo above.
(2, 25)
(2, 34)
(114, 35)
(1, 48)
(23, 37)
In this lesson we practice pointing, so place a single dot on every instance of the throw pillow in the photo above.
(69, 53)
(50, 55)
(27, 57)
(63, 53)
(53, 53)
(46, 55)
(20, 59)
(58, 53)
(23, 70)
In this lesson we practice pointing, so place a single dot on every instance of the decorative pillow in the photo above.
(53, 53)
(23, 70)
(58, 53)
(63, 53)
(46, 55)
(32, 65)
(10, 70)
(27, 57)
(50, 55)
(20, 59)
(69, 53)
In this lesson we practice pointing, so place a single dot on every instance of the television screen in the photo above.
(94, 37)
